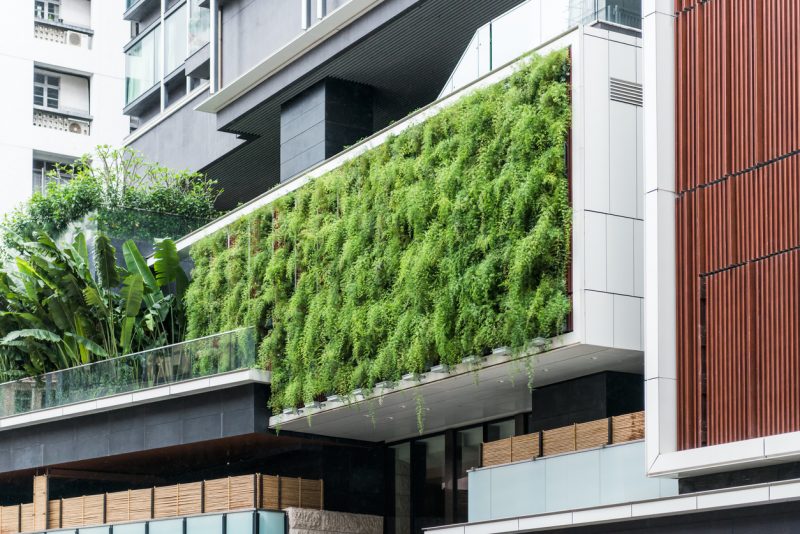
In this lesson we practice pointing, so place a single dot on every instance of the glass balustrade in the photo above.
(175, 40)
(246, 522)
(143, 65)
(199, 358)
(199, 25)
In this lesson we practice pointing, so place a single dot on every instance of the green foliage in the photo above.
(129, 198)
(59, 310)
(448, 240)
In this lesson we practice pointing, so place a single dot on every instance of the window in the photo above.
(199, 25)
(175, 40)
(47, 9)
(45, 90)
(143, 65)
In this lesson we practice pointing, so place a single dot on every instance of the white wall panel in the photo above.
(596, 163)
(596, 248)
(619, 262)
(622, 155)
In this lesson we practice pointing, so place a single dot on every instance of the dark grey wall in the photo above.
(321, 121)
(586, 399)
(186, 140)
(213, 415)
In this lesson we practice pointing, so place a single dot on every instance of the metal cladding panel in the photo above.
(738, 219)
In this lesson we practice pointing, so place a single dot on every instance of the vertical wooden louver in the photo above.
(738, 219)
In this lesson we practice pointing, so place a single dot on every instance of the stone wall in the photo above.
(305, 521)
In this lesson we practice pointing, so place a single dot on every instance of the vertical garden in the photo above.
(448, 240)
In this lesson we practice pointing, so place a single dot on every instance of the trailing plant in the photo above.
(126, 196)
(60, 308)
(448, 240)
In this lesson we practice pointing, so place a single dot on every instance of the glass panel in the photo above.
(55, 81)
(95, 530)
(199, 358)
(38, 77)
(142, 65)
(172, 526)
(399, 520)
(428, 482)
(131, 528)
(204, 525)
(271, 522)
(199, 25)
(241, 523)
(175, 40)
(500, 430)
(39, 9)
(468, 456)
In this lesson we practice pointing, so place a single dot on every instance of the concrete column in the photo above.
(659, 178)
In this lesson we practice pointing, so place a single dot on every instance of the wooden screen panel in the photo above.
(54, 514)
(242, 492)
(118, 507)
(525, 447)
(311, 494)
(9, 519)
(141, 504)
(190, 498)
(165, 502)
(290, 492)
(592, 434)
(628, 427)
(217, 495)
(558, 440)
(72, 512)
(496, 452)
(270, 492)
(40, 497)
(737, 143)
(26, 519)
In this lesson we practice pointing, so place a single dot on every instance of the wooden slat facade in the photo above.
(580, 436)
(211, 496)
(737, 219)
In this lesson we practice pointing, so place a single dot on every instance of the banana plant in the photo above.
(59, 309)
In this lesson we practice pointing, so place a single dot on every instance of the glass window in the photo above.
(468, 456)
(399, 520)
(204, 525)
(428, 482)
(46, 89)
(95, 530)
(171, 526)
(199, 26)
(500, 430)
(131, 528)
(271, 522)
(47, 9)
(175, 40)
(143, 65)
(241, 523)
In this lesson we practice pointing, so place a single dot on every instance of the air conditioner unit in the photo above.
(75, 38)
(78, 127)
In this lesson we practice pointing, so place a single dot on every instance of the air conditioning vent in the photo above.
(74, 38)
(78, 127)
(625, 92)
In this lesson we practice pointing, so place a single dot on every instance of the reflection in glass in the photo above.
(468, 456)
(399, 521)
(199, 24)
(142, 65)
(428, 479)
(500, 430)
(205, 524)
(175, 40)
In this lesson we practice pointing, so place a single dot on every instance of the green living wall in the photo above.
(448, 240)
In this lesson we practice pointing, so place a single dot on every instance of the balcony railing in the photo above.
(57, 31)
(64, 121)
(199, 358)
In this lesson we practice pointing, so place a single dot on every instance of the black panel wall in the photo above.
(586, 399)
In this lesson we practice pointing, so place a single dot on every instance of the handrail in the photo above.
(188, 360)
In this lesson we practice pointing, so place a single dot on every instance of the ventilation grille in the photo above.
(625, 92)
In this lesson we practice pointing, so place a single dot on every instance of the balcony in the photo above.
(606, 475)
(62, 120)
(151, 370)
(56, 31)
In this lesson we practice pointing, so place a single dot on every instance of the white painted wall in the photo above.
(608, 244)
(77, 12)
(103, 64)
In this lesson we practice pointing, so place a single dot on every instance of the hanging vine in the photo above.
(448, 240)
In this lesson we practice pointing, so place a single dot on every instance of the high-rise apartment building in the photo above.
(666, 400)
(65, 69)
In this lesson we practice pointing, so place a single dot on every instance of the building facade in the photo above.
(64, 57)
(666, 400)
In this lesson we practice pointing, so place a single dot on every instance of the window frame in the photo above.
(47, 89)
(47, 10)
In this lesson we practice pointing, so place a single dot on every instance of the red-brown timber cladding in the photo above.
(737, 219)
